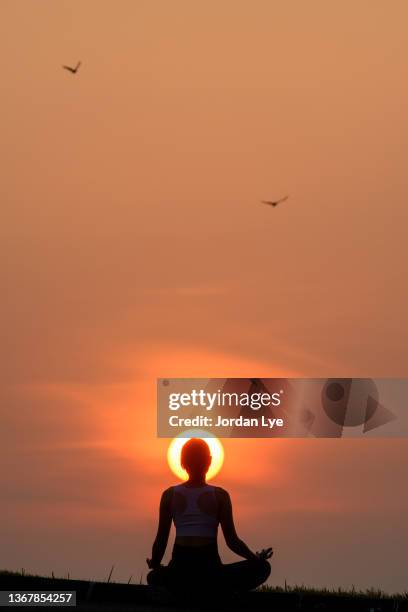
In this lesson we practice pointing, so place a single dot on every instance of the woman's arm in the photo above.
(160, 543)
(228, 528)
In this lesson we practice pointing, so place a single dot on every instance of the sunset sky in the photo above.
(133, 246)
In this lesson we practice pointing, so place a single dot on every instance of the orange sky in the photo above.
(133, 246)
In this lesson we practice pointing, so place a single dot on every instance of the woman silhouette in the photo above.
(197, 509)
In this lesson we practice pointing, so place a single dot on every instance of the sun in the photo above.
(174, 451)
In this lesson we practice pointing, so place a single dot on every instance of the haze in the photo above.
(133, 245)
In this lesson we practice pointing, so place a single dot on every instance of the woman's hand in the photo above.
(152, 564)
(265, 553)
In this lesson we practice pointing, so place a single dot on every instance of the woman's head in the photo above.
(196, 458)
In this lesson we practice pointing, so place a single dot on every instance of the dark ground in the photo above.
(142, 598)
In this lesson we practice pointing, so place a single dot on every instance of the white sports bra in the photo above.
(195, 511)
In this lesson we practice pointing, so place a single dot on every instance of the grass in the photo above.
(22, 572)
(371, 593)
(287, 597)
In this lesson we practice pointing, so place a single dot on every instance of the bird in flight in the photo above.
(274, 202)
(73, 70)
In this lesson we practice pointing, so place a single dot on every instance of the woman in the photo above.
(197, 509)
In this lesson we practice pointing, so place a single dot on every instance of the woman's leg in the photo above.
(159, 577)
(245, 575)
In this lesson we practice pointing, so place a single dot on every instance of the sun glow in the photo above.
(174, 451)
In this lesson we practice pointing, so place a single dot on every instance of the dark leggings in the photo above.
(194, 567)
